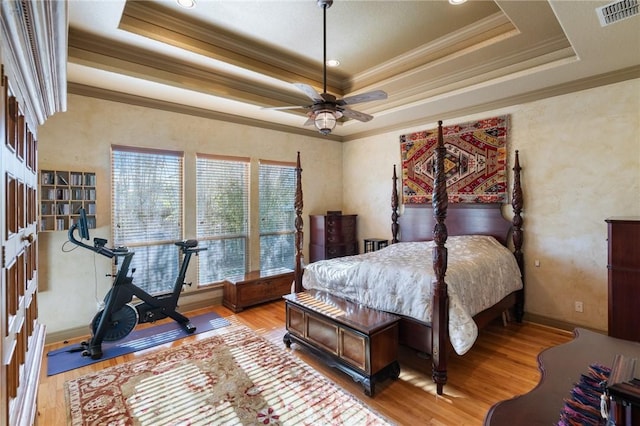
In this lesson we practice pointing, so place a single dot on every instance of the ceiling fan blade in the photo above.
(287, 107)
(310, 120)
(356, 115)
(309, 91)
(375, 95)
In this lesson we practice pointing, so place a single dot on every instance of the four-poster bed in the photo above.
(431, 335)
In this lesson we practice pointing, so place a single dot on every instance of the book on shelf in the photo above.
(76, 178)
(47, 178)
(624, 369)
(63, 209)
(624, 380)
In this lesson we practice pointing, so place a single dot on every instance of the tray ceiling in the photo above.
(228, 59)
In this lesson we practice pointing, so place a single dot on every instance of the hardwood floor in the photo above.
(502, 364)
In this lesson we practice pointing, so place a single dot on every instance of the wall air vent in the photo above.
(617, 11)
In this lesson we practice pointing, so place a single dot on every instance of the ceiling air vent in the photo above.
(617, 11)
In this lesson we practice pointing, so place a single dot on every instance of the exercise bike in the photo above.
(119, 316)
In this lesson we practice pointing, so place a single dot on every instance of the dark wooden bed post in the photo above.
(394, 208)
(440, 320)
(299, 233)
(517, 203)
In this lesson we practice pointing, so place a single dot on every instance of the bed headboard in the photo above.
(416, 222)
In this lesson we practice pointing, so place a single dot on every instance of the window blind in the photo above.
(147, 213)
(222, 193)
(277, 185)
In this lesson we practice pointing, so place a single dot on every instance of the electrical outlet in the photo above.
(578, 306)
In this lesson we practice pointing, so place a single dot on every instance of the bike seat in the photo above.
(187, 243)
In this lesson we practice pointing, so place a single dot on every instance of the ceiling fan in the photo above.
(326, 109)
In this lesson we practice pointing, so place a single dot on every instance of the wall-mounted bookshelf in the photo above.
(62, 195)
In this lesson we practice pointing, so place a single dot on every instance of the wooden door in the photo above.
(20, 351)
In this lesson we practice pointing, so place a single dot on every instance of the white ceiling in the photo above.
(227, 59)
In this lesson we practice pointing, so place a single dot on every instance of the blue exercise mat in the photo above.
(65, 359)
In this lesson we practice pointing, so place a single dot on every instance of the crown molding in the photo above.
(151, 20)
(490, 30)
(34, 44)
(109, 95)
(617, 76)
(574, 86)
(89, 49)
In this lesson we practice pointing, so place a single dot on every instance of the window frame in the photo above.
(150, 252)
(206, 240)
(290, 231)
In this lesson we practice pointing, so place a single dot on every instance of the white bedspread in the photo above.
(400, 279)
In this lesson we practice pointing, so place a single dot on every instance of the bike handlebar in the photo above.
(100, 249)
(187, 246)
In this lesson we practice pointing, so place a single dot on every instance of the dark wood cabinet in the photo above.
(332, 236)
(624, 277)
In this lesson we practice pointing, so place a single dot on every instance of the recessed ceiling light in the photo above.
(456, 2)
(333, 63)
(187, 4)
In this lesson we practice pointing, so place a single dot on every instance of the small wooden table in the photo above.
(373, 244)
(561, 367)
(353, 338)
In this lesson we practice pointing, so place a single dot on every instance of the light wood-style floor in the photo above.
(502, 364)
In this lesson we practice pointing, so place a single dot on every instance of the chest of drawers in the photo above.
(332, 236)
(624, 277)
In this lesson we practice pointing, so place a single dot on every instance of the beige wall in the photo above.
(80, 139)
(580, 155)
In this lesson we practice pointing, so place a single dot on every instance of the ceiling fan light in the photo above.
(325, 121)
(187, 4)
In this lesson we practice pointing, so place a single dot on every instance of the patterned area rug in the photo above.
(233, 377)
(475, 162)
(68, 357)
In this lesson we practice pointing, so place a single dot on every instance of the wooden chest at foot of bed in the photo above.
(357, 340)
(256, 287)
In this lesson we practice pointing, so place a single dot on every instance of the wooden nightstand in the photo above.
(373, 244)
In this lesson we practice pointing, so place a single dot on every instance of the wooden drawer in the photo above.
(341, 250)
(255, 288)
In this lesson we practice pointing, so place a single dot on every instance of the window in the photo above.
(222, 193)
(277, 188)
(146, 188)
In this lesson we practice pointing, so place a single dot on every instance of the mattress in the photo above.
(400, 279)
